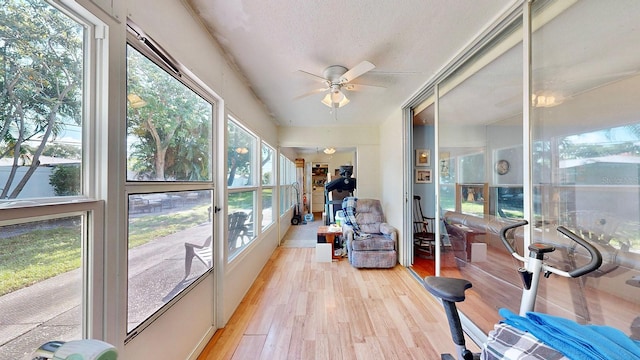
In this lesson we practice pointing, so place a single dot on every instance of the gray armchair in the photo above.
(375, 245)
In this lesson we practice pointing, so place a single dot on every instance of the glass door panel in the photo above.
(586, 155)
(479, 127)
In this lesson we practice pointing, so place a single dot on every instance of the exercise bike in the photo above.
(452, 290)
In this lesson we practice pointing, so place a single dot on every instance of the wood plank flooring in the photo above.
(496, 285)
(301, 309)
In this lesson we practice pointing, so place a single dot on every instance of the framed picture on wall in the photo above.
(423, 157)
(423, 176)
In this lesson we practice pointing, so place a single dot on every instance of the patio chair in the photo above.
(238, 228)
(203, 252)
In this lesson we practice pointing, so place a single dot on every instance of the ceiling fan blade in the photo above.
(356, 71)
(312, 92)
(358, 87)
(313, 76)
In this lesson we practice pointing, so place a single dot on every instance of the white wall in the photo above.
(323, 136)
(391, 172)
(364, 138)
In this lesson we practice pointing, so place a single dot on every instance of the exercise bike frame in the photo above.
(534, 265)
(451, 290)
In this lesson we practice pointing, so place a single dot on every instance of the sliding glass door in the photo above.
(480, 171)
(586, 154)
(566, 153)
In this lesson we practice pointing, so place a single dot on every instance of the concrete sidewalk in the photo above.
(50, 309)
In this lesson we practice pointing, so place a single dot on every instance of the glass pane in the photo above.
(41, 79)
(267, 207)
(268, 175)
(170, 246)
(40, 284)
(241, 210)
(240, 154)
(283, 180)
(168, 126)
(480, 139)
(586, 156)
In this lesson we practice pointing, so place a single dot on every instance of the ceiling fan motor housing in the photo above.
(333, 73)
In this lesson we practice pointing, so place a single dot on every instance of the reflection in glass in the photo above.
(170, 246)
(240, 153)
(585, 155)
(480, 124)
(268, 165)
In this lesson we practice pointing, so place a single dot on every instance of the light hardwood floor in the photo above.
(300, 309)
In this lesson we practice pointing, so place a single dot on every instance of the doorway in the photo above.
(424, 166)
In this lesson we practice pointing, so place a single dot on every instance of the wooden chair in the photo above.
(424, 237)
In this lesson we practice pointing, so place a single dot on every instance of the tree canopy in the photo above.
(168, 124)
(41, 60)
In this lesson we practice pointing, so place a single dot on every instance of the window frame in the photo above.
(270, 186)
(137, 39)
(255, 187)
(89, 204)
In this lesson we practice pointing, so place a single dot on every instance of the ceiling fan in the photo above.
(337, 78)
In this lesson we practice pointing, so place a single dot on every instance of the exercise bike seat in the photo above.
(448, 289)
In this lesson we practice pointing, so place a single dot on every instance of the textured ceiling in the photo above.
(409, 41)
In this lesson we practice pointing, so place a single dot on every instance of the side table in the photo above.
(330, 237)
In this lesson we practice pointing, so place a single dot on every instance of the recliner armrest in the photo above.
(389, 230)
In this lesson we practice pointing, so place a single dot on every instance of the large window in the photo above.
(42, 78)
(169, 188)
(268, 181)
(170, 246)
(168, 125)
(45, 251)
(287, 178)
(241, 182)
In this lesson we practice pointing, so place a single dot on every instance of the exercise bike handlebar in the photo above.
(507, 244)
(594, 263)
(596, 256)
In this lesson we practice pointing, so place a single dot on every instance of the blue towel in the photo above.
(574, 340)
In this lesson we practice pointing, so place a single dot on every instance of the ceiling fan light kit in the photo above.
(336, 78)
(330, 100)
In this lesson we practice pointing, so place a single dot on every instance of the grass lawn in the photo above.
(40, 254)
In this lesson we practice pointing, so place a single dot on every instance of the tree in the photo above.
(63, 151)
(170, 123)
(239, 152)
(65, 180)
(41, 53)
